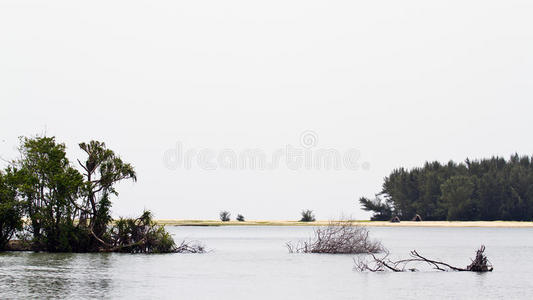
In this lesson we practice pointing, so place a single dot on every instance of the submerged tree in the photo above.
(479, 264)
(339, 237)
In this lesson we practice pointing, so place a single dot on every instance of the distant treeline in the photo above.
(487, 189)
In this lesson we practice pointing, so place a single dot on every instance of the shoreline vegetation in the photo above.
(489, 224)
(49, 204)
(486, 189)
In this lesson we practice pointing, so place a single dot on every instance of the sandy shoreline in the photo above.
(512, 224)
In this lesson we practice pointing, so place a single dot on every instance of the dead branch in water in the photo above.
(188, 247)
(339, 237)
(479, 264)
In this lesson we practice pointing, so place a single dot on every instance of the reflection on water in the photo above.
(252, 262)
(55, 274)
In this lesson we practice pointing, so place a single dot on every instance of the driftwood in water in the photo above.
(479, 264)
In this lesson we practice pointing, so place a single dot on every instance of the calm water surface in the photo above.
(252, 262)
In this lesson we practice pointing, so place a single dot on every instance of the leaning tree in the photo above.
(102, 169)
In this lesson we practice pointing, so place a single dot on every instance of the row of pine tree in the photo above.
(487, 189)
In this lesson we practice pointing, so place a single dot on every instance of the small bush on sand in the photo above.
(225, 216)
(240, 218)
(307, 216)
(338, 237)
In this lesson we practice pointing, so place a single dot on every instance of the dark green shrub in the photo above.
(307, 216)
(225, 216)
(140, 235)
(143, 235)
(10, 211)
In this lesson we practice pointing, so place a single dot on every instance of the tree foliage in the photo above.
(487, 189)
(48, 187)
(140, 235)
(10, 210)
(67, 210)
(102, 169)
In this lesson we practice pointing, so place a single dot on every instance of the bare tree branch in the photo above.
(479, 264)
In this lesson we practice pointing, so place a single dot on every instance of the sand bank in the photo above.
(172, 222)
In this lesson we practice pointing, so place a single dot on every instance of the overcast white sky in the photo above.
(401, 81)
